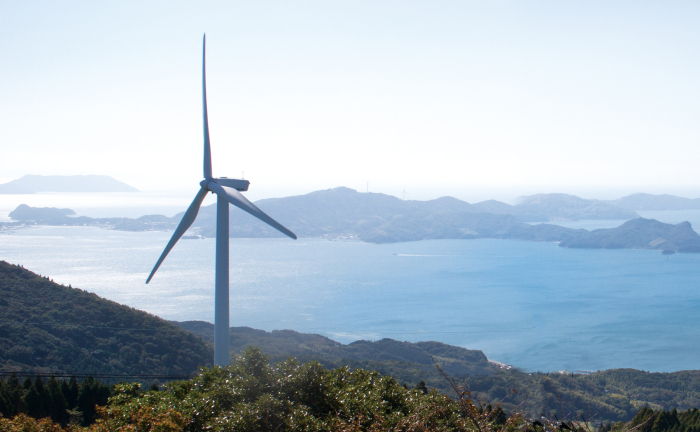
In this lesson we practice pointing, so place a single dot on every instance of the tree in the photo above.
(6, 406)
(92, 394)
(57, 402)
(422, 387)
(16, 392)
(70, 392)
(37, 400)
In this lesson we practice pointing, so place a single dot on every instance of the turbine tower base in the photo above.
(222, 339)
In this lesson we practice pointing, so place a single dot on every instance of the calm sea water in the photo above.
(533, 305)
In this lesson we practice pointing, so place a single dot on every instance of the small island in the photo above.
(51, 216)
(31, 184)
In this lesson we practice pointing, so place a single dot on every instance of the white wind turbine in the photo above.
(227, 192)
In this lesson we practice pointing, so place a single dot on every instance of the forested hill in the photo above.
(407, 361)
(638, 234)
(50, 328)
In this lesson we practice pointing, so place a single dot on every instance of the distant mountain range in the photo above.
(377, 218)
(31, 184)
(642, 201)
(381, 218)
(551, 207)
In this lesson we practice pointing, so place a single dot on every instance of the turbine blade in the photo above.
(207, 146)
(235, 198)
(185, 223)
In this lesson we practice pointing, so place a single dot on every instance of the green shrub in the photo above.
(288, 396)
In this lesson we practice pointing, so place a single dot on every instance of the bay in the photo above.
(533, 305)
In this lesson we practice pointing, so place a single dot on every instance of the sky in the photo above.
(472, 99)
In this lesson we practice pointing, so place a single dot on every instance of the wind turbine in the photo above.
(228, 191)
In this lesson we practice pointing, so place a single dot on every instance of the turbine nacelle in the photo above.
(238, 184)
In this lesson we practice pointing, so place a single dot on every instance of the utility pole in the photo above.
(368, 182)
(404, 193)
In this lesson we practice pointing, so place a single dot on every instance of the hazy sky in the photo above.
(436, 96)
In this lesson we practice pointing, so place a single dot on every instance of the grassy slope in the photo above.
(47, 327)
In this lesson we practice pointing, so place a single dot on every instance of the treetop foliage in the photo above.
(255, 395)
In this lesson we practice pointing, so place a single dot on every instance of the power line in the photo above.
(380, 333)
(82, 326)
(83, 375)
(319, 330)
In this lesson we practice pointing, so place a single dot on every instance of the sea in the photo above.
(535, 306)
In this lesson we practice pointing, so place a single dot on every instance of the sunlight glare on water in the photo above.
(534, 305)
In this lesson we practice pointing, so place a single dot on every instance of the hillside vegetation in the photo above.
(254, 395)
(377, 355)
(61, 401)
(615, 394)
(49, 328)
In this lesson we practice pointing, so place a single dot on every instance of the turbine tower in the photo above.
(228, 191)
